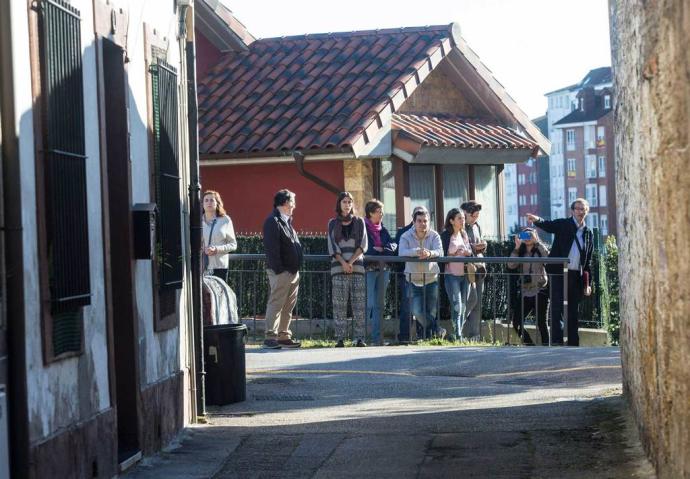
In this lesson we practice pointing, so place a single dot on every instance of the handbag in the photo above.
(471, 269)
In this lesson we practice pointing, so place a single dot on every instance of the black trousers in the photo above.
(536, 305)
(575, 293)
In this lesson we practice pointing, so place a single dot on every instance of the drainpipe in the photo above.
(299, 162)
(195, 228)
(12, 228)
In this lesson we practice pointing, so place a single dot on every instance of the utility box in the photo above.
(144, 230)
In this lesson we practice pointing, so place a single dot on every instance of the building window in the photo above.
(423, 189)
(486, 193)
(591, 194)
(601, 136)
(572, 195)
(582, 104)
(169, 254)
(602, 195)
(589, 136)
(607, 102)
(604, 225)
(387, 194)
(570, 140)
(602, 167)
(592, 220)
(64, 241)
(455, 186)
(591, 162)
(572, 167)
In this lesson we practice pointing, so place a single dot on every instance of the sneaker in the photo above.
(289, 343)
(361, 344)
(340, 344)
(271, 344)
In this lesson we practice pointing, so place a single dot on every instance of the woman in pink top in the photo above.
(455, 243)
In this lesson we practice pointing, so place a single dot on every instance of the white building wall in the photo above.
(67, 391)
(73, 389)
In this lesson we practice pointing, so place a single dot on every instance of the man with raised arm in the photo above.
(573, 240)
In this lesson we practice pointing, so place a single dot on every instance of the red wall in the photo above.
(248, 190)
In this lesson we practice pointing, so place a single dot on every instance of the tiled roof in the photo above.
(459, 132)
(313, 92)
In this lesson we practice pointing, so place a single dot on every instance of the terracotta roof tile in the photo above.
(312, 91)
(457, 132)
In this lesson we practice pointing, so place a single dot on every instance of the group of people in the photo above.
(351, 238)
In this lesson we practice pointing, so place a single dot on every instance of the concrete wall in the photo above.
(651, 64)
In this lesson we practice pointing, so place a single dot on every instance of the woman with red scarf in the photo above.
(380, 244)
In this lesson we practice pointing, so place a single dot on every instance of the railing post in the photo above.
(381, 297)
(565, 300)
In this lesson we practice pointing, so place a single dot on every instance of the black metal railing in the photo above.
(502, 309)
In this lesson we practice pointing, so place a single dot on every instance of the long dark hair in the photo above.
(450, 217)
(342, 195)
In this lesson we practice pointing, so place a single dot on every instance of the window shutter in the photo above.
(165, 131)
(64, 160)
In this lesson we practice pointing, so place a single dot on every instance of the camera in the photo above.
(525, 235)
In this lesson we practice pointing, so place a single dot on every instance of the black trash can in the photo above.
(226, 380)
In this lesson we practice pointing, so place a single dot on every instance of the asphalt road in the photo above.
(417, 412)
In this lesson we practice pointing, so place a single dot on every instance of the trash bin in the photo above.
(226, 380)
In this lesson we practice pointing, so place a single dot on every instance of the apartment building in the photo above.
(587, 149)
(563, 102)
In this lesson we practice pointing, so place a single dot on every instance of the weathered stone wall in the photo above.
(359, 180)
(651, 64)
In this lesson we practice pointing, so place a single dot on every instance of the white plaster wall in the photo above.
(74, 389)
(158, 352)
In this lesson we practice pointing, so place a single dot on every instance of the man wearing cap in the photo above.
(572, 240)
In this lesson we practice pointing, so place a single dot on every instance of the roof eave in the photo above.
(221, 27)
(501, 104)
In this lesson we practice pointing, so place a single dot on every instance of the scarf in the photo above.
(374, 231)
(338, 227)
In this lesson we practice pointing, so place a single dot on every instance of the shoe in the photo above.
(271, 344)
(289, 343)
(340, 344)
(361, 344)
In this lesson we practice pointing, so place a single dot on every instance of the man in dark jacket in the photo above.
(572, 240)
(404, 335)
(283, 260)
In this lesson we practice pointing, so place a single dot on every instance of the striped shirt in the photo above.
(354, 237)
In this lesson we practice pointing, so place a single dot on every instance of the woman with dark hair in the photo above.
(380, 244)
(532, 281)
(455, 243)
(347, 242)
(218, 235)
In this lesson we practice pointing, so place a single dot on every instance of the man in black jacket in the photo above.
(283, 260)
(572, 240)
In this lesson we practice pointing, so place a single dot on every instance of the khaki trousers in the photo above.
(281, 302)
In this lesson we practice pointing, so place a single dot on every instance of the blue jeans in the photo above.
(456, 289)
(376, 282)
(424, 305)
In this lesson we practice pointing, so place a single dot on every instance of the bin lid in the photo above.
(221, 327)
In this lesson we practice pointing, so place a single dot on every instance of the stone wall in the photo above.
(651, 64)
(359, 180)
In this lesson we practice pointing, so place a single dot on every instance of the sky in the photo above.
(531, 46)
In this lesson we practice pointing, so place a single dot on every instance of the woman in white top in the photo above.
(218, 235)
(456, 243)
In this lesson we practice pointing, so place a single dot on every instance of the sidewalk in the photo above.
(417, 412)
